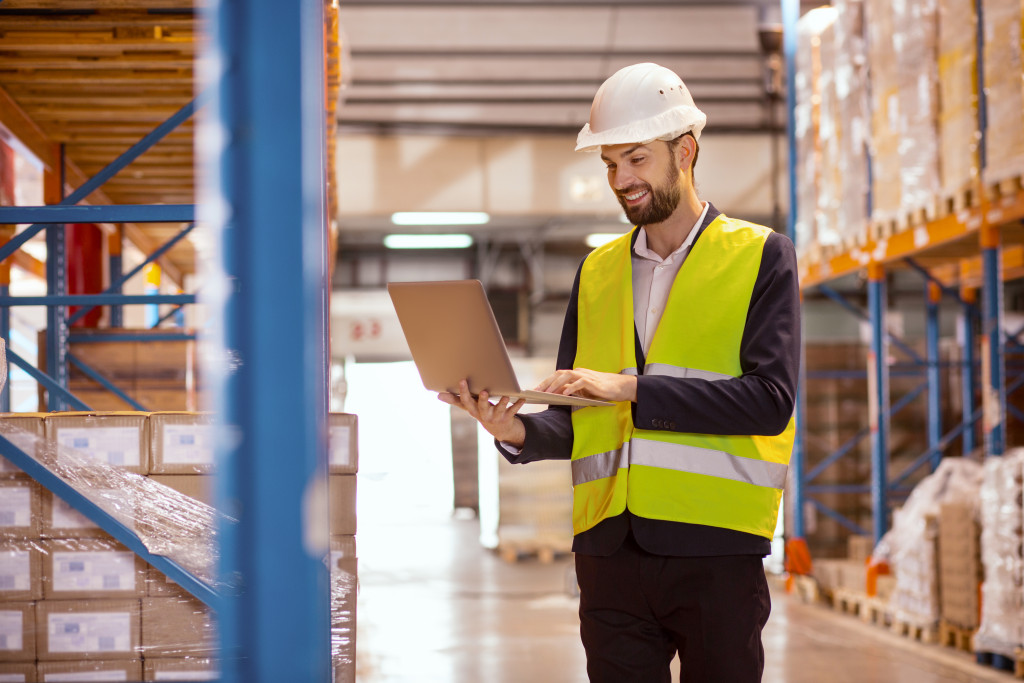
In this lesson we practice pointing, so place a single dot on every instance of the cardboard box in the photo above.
(343, 443)
(20, 571)
(19, 509)
(342, 502)
(180, 669)
(24, 430)
(177, 627)
(116, 438)
(87, 629)
(859, 548)
(198, 486)
(124, 670)
(180, 443)
(60, 520)
(91, 568)
(22, 672)
(17, 632)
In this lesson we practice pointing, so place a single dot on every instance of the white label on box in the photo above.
(339, 442)
(104, 570)
(15, 570)
(12, 678)
(66, 517)
(11, 630)
(186, 676)
(112, 445)
(94, 632)
(88, 676)
(188, 444)
(16, 506)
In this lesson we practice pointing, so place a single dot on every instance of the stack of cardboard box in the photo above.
(76, 604)
(960, 564)
(1004, 90)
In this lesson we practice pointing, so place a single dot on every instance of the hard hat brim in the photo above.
(667, 125)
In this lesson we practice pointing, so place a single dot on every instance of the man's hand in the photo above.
(499, 419)
(605, 386)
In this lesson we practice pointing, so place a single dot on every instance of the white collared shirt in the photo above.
(653, 278)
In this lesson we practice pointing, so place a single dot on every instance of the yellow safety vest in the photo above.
(733, 482)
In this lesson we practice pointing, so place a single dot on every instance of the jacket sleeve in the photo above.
(761, 400)
(549, 432)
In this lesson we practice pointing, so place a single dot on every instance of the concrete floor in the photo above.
(434, 606)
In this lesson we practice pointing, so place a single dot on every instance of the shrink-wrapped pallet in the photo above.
(1002, 533)
(852, 126)
(916, 35)
(830, 133)
(885, 108)
(910, 547)
(1004, 90)
(806, 118)
(960, 563)
(958, 97)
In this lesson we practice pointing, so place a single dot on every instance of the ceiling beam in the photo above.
(463, 129)
(535, 53)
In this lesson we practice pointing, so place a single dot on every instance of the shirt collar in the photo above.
(641, 249)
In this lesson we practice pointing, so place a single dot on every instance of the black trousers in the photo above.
(637, 610)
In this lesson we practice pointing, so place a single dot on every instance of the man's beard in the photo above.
(662, 204)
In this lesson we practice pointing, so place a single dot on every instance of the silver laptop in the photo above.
(453, 335)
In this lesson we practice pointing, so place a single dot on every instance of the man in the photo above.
(690, 324)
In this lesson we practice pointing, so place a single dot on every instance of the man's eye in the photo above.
(637, 160)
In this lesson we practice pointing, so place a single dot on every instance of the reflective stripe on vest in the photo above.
(673, 371)
(682, 458)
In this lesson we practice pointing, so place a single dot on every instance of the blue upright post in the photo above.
(967, 335)
(6, 232)
(993, 343)
(798, 461)
(263, 205)
(56, 285)
(115, 245)
(878, 400)
(933, 296)
(790, 16)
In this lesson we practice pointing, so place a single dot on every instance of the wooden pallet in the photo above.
(956, 637)
(876, 611)
(847, 602)
(546, 553)
(807, 589)
(1010, 187)
(951, 204)
(924, 633)
(883, 229)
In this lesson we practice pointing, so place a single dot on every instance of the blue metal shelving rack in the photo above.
(986, 317)
(263, 200)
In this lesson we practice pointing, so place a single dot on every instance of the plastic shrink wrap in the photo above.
(1004, 90)
(909, 546)
(806, 121)
(958, 97)
(1002, 518)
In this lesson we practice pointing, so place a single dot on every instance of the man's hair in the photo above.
(674, 144)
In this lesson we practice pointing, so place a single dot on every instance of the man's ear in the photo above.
(684, 153)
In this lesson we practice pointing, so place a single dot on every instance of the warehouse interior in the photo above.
(218, 459)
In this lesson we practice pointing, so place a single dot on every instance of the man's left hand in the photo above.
(605, 386)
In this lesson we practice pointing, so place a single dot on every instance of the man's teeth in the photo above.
(637, 195)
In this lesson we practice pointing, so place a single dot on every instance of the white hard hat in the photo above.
(640, 103)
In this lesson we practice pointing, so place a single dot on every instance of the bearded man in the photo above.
(690, 324)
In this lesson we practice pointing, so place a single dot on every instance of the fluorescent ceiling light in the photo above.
(599, 239)
(453, 241)
(440, 218)
(819, 19)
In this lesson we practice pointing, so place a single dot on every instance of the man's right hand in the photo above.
(499, 419)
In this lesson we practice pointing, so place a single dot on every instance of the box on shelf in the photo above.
(87, 629)
(958, 96)
(91, 568)
(179, 669)
(17, 632)
(19, 672)
(26, 431)
(342, 492)
(343, 442)
(19, 509)
(1004, 95)
(20, 571)
(122, 670)
(177, 627)
(60, 520)
(181, 443)
(115, 438)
